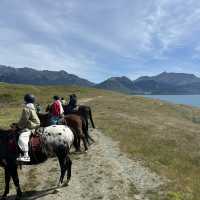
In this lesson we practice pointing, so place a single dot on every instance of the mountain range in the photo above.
(164, 83)
(36, 77)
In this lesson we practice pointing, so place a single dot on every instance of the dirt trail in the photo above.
(101, 173)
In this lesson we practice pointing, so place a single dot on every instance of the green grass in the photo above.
(164, 135)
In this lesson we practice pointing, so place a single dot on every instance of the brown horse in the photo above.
(53, 145)
(84, 111)
(86, 114)
(75, 122)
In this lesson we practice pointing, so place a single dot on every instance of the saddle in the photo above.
(37, 151)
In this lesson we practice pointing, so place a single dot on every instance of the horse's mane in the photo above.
(5, 131)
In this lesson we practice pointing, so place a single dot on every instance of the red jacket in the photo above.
(56, 109)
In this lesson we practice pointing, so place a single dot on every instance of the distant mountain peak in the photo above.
(27, 75)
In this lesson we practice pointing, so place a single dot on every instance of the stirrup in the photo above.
(24, 159)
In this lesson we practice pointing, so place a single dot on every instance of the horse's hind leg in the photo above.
(85, 129)
(15, 178)
(84, 143)
(82, 136)
(86, 132)
(61, 154)
(91, 138)
(69, 168)
(91, 119)
(7, 182)
(76, 142)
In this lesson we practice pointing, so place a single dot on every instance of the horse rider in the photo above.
(56, 111)
(63, 101)
(72, 105)
(27, 123)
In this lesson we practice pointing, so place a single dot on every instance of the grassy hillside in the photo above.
(165, 136)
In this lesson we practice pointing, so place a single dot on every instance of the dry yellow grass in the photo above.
(165, 136)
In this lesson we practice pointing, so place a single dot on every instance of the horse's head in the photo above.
(44, 119)
(5, 133)
(48, 108)
(8, 146)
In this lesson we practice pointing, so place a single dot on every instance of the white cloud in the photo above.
(86, 39)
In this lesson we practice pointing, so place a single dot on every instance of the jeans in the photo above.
(54, 120)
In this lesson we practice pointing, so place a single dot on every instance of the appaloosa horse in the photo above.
(84, 112)
(57, 140)
(75, 122)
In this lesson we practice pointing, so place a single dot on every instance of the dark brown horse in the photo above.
(84, 111)
(8, 156)
(9, 153)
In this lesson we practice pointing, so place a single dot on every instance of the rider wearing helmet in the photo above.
(29, 118)
(72, 106)
(28, 121)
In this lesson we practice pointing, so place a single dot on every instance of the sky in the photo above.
(98, 39)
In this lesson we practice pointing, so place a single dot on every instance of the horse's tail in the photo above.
(91, 119)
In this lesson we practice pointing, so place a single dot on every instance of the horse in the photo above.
(57, 141)
(82, 110)
(74, 122)
(85, 113)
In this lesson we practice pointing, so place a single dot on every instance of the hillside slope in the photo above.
(120, 84)
(168, 83)
(163, 137)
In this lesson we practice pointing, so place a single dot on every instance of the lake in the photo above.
(191, 100)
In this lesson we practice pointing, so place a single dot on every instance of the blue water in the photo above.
(191, 100)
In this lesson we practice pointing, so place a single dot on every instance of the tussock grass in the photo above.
(164, 135)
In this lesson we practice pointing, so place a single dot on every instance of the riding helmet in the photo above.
(56, 97)
(29, 98)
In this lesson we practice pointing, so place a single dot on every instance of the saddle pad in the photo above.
(36, 143)
(36, 150)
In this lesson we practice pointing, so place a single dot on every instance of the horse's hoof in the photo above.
(66, 184)
(58, 185)
(55, 191)
(17, 198)
(78, 151)
(4, 196)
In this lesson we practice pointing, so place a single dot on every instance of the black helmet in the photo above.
(72, 96)
(56, 97)
(29, 98)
